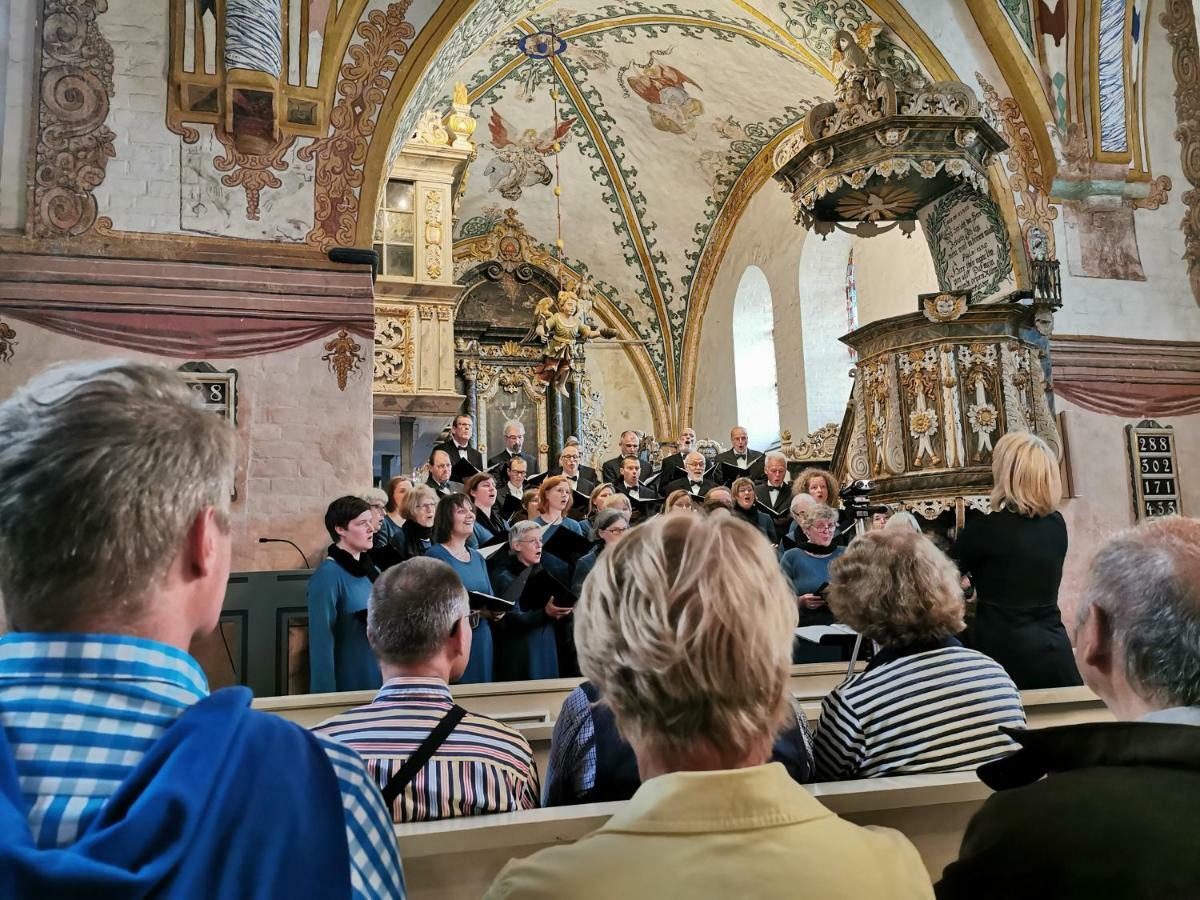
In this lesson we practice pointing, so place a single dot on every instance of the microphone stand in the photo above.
(267, 540)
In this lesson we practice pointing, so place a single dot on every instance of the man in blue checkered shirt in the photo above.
(120, 775)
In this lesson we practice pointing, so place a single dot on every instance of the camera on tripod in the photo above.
(857, 496)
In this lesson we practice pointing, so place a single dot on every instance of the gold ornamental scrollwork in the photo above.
(433, 234)
(344, 356)
(427, 313)
(8, 342)
(817, 446)
(395, 350)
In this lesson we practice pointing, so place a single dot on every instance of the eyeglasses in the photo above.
(823, 526)
(615, 530)
(426, 506)
(474, 617)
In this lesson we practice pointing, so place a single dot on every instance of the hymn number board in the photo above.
(1154, 470)
(217, 390)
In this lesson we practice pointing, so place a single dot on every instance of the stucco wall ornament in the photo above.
(344, 356)
(8, 342)
(943, 306)
(73, 143)
(933, 137)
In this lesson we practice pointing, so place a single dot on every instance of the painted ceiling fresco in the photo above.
(662, 110)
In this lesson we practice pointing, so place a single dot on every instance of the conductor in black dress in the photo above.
(1014, 557)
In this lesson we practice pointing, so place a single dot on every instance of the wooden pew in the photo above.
(458, 858)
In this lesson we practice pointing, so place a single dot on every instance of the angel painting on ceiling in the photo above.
(664, 88)
(520, 161)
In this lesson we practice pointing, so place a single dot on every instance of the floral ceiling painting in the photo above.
(659, 120)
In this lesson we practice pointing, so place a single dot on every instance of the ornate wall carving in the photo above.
(434, 230)
(341, 155)
(344, 356)
(395, 350)
(1025, 168)
(1180, 23)
(73, 143)
(8, 342)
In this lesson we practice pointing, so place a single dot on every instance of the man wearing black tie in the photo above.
(627, 484)
(740, 459)
(611, 470)
(568, 468)
(512, 491)
(458, 446)
(694, 481)
(514, 439)
(439, 472)
(672, 466)
(777, 492)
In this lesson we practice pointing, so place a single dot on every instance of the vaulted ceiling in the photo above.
(670, 117)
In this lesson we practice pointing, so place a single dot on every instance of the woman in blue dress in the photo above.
(339, 657)
(529, 646)
(453, 525)
(806, 567)
(611, 525)
(554, 502)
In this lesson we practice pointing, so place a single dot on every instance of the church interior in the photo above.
(874, 238)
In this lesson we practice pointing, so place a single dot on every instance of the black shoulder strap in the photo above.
(415, 763)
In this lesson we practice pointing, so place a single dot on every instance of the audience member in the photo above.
(693, 660)
(902, 520)
(453, 527)
(529, 643)
(611, 525)
(339, 658)
(123, 776)
(745, 507)
(1014, 557)
(925, 703)
(420, 627)
(1107, 809)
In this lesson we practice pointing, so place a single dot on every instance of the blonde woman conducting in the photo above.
(693, 660)
(1015, 559)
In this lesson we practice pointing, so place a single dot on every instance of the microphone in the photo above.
(286, 541)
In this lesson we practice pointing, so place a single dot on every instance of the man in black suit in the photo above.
(627, 483)
(514, 439)
(611, 470)
(740, 459)
(569, 468)
(777, 492)
(693, 480)
(587, 472)
(512, 487)
(439, 472)
(672, 466)
(458, 446)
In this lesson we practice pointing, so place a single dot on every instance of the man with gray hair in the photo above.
(430, 757)
(1111, 817)
(514, 440)
(120, 775)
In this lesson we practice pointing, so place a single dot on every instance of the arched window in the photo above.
(755, 378)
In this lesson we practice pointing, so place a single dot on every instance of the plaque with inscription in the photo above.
(1154, 470)
(217, 390)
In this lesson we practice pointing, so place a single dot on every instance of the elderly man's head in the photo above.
(514, 436)
(1137, 632)
(739, 437)
(694, 464)
(693, 658)
(114, 512)
(418, 617)
(439, 465)
(629, 443)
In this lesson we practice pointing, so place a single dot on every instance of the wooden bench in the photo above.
(459, 858)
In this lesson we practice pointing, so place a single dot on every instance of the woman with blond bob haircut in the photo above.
(925, 703)
(693, 659)
(1014, 557)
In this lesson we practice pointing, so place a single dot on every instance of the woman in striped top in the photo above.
(925, 703)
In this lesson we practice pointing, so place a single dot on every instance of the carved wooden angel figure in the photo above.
(561, 327)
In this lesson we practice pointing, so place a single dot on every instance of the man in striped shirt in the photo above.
(419, 625)
(120, 775)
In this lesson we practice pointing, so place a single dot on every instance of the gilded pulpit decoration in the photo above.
(979, 364)
(460, 122)
(919, 376)
(73, 143)
(344, 356)
(8, 342)
(880, 151)
(943, 306)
